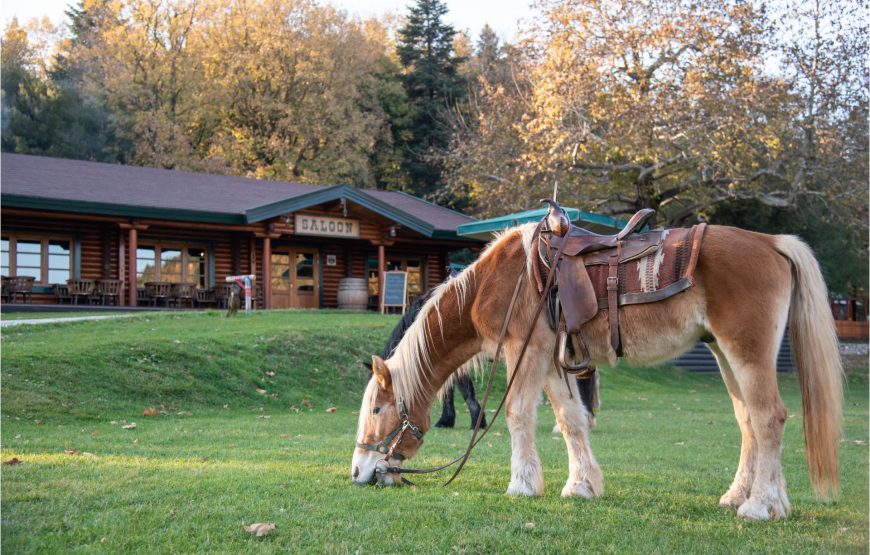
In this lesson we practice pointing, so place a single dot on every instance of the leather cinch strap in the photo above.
(613, 299)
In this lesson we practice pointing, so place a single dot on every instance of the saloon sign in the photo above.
(326, 226)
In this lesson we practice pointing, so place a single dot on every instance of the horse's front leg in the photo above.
(584, 474)
(521, 412)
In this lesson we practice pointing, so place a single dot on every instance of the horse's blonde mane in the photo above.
(410, 364)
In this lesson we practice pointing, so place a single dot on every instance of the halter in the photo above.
(387, 447)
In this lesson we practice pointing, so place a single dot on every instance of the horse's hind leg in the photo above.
(584, 474)
(466, 388)
(755, 377)
(742, 484)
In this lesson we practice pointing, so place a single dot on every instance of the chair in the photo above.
(79, 288)
(158, 292)
(4, 290)
(184, 293)
(61, 293)
(141, 296)
(109, 289)
(20, 285)
(222, 294)
(205, 298)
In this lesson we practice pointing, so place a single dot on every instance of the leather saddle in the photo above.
(576, 297)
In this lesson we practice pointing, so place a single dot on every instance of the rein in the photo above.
(388, 445)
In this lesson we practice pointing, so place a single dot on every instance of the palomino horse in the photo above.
(747, 288)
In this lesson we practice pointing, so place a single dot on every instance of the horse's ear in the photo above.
(382, 373)
(368, 366)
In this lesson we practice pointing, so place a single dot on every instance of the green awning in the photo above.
(483, 229)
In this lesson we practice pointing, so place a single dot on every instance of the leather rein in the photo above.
(388, 446)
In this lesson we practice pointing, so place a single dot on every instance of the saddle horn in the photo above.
(557, 219)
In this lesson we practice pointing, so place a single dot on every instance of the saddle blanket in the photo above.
(652, 274)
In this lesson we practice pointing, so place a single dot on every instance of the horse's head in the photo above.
(390, 430)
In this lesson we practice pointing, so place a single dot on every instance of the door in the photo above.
(281, 281)
(295, 279)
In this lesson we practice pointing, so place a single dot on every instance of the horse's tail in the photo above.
(819, 368)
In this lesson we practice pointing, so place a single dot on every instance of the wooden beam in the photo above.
(381, 268)
(132, 245)
(267, 272)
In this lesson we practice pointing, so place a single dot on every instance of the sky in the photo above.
(463, 15)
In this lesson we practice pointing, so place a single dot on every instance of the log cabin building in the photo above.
(70, 219)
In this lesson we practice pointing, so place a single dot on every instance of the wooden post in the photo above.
(381, 269)
(132, 246)
(122, 295)
(267, 272)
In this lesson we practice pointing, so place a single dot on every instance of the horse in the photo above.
(460, 379)
(747, 288)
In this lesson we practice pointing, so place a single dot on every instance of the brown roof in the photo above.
(76, 185)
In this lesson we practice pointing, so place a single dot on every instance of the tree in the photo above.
(296, 91)
(433, 85)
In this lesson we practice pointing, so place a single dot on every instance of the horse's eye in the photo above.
(377, 410)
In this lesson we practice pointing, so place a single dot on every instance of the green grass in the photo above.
(186, 480)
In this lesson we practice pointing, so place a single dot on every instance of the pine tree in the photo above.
(433, 85)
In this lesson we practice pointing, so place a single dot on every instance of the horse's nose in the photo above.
(355, 472)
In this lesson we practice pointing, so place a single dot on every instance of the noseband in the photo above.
(387, 447)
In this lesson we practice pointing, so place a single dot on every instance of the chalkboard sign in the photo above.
(395, 289)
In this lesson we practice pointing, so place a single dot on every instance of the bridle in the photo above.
(388, 446)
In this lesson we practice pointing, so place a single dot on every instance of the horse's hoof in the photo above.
(754, 510)
(732, 499)
(441, 424)
(581, 489)
(521, 488)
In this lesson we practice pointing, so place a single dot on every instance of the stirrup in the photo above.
(580, 368)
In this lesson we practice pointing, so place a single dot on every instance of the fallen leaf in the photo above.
(270, 374)
(150, 412)
(86, 454)
(37, 421)
(70, 451)
(95, 433)
(529, 525)
(130, 426)
(259, 529)
(12, 462)
(264, 416)
(331, 409)
(306, 403)
(261, 391)
(136, 441)
(284, 436)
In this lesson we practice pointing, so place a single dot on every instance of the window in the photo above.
(47, 260)
(172, 263)
(414, 267)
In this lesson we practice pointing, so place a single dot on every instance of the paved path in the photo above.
(7, 323)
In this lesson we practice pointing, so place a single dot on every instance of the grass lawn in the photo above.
(233, 444)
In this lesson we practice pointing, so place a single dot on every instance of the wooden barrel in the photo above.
(353, 294)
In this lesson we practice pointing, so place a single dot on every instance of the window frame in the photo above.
(158, 246)
(44, 240)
